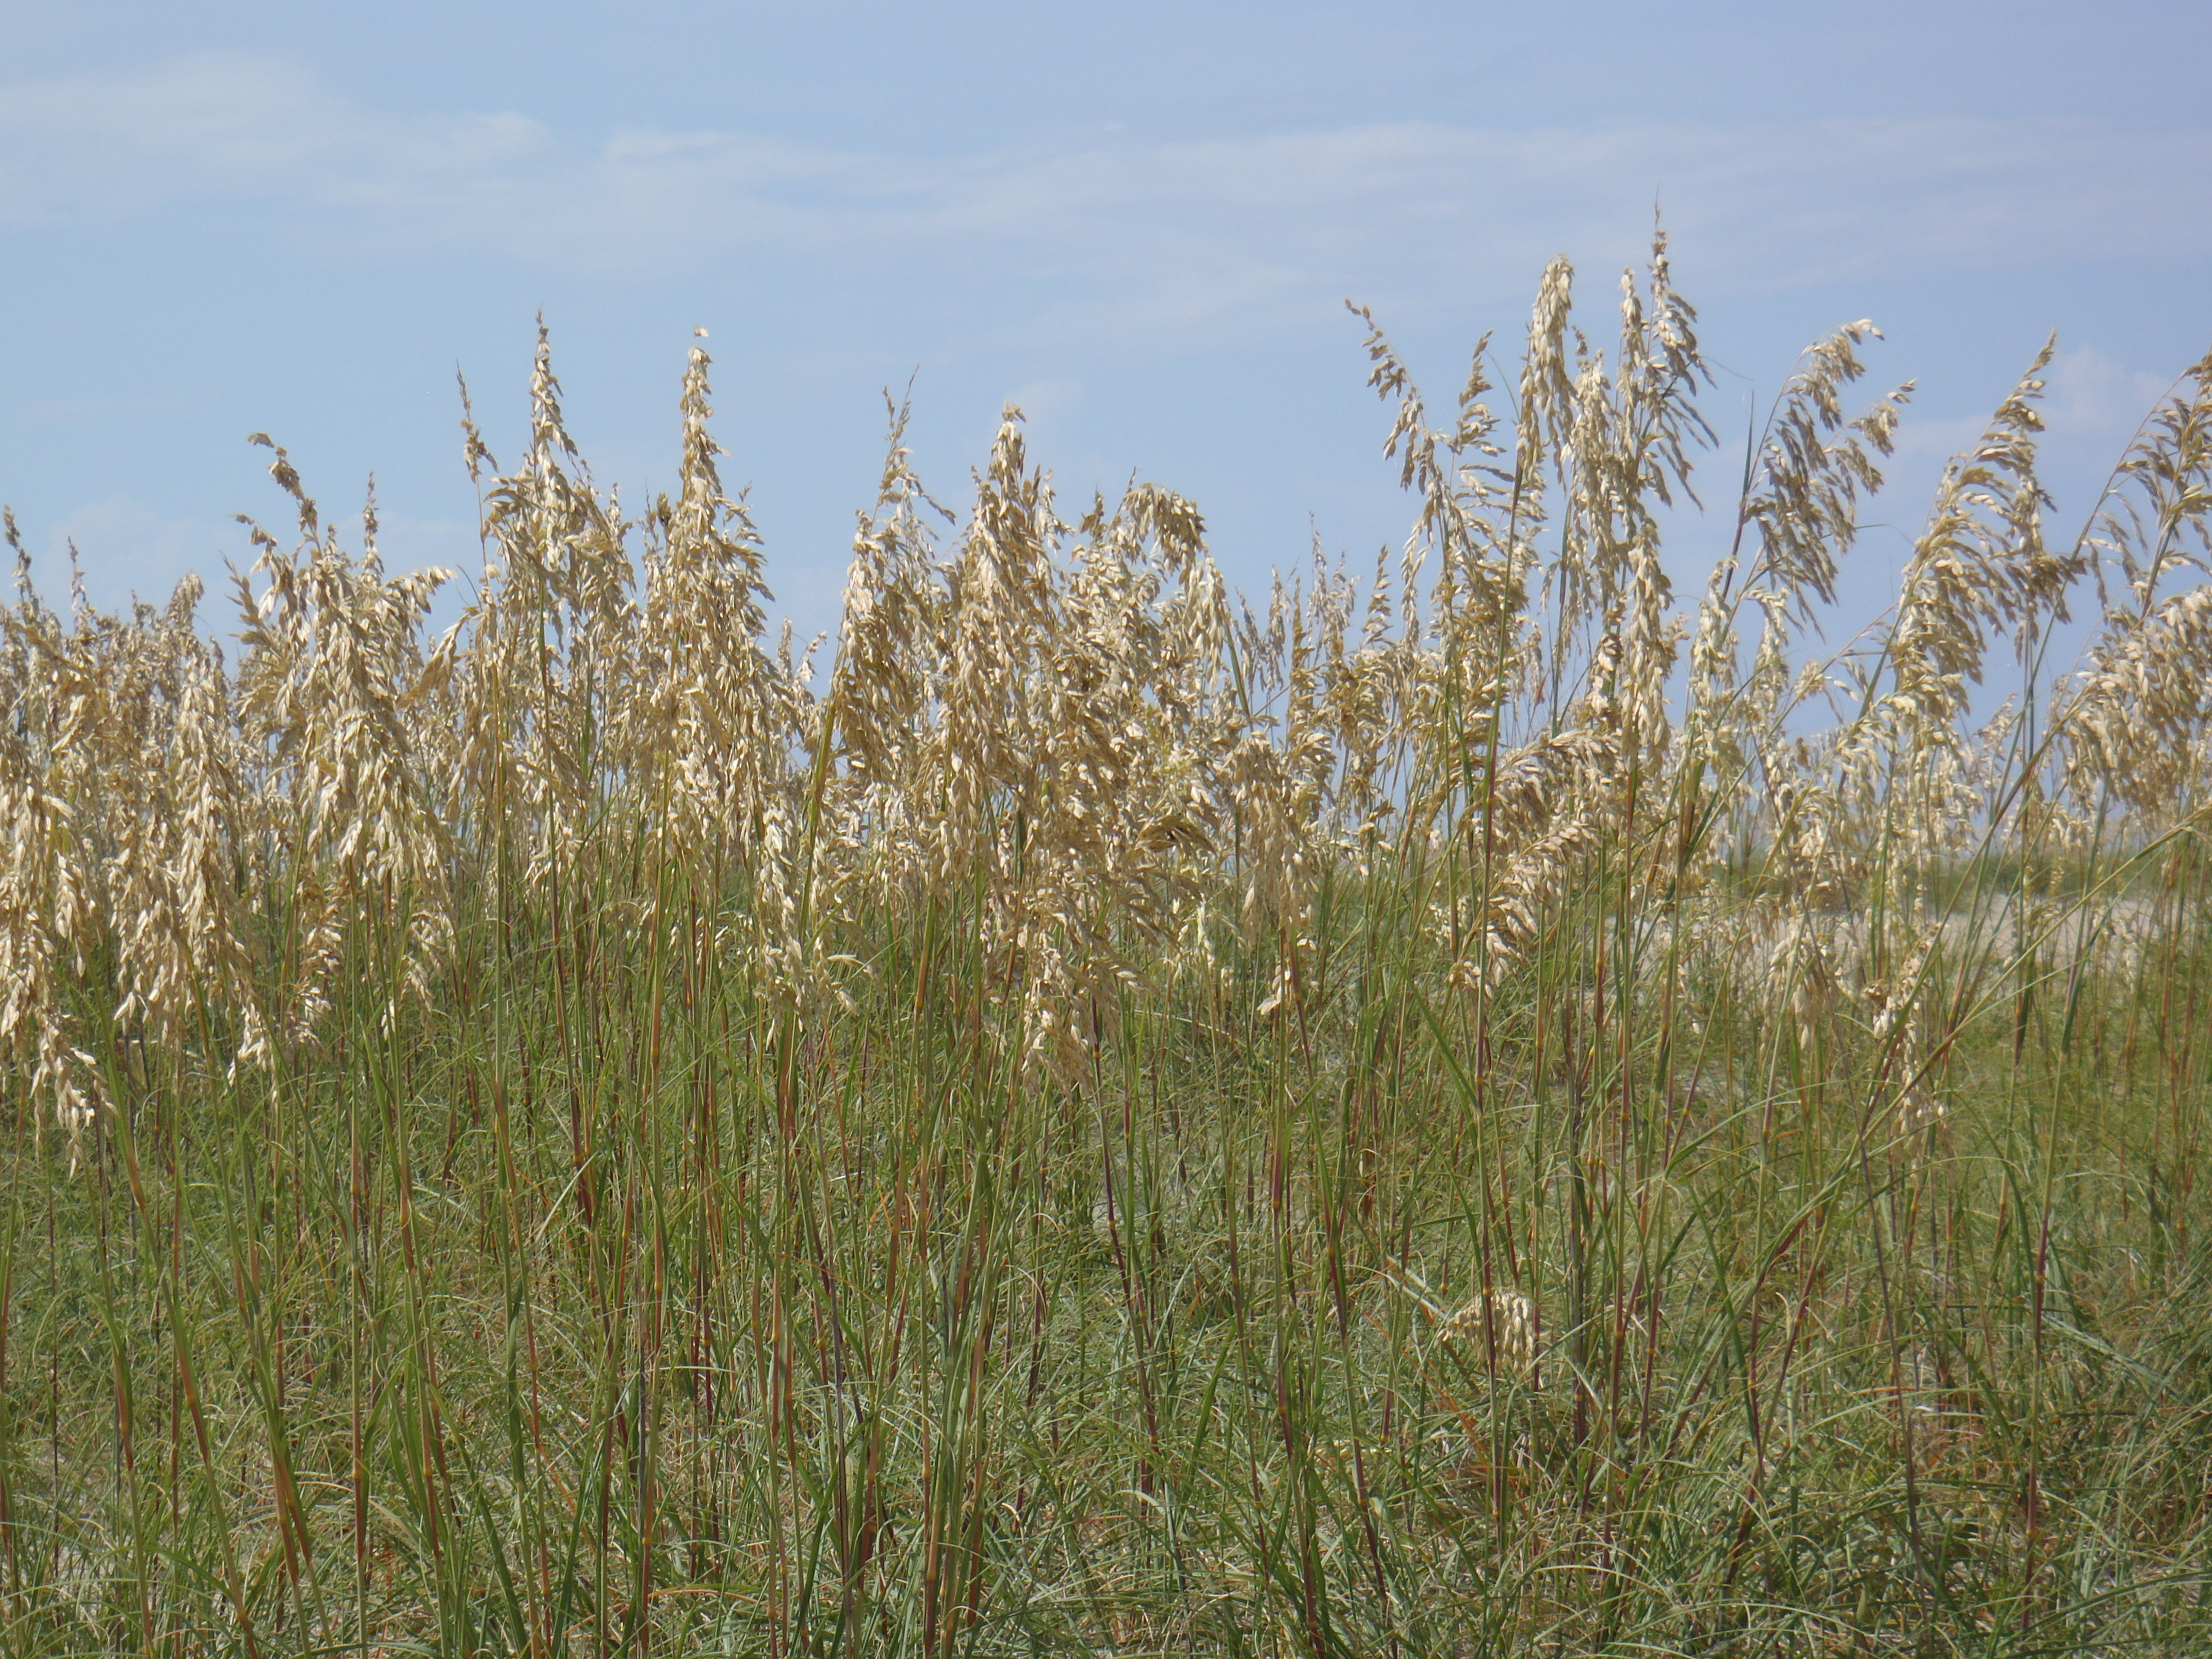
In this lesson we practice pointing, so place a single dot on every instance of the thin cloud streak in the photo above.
(1106, 233)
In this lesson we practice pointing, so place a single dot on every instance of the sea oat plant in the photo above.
(1464, 1111)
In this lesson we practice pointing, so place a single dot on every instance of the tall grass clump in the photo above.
(1474, 1109)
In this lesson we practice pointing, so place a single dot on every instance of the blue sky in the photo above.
(1139, 220)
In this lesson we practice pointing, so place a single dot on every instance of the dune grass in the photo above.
(1457, 1114)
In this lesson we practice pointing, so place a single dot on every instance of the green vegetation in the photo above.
(1441, 1117)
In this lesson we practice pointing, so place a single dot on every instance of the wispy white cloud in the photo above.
(2091, 404)
(2092, 395)
(125, 547)
(1113, 230)
(1045, 401)
(222, 125)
